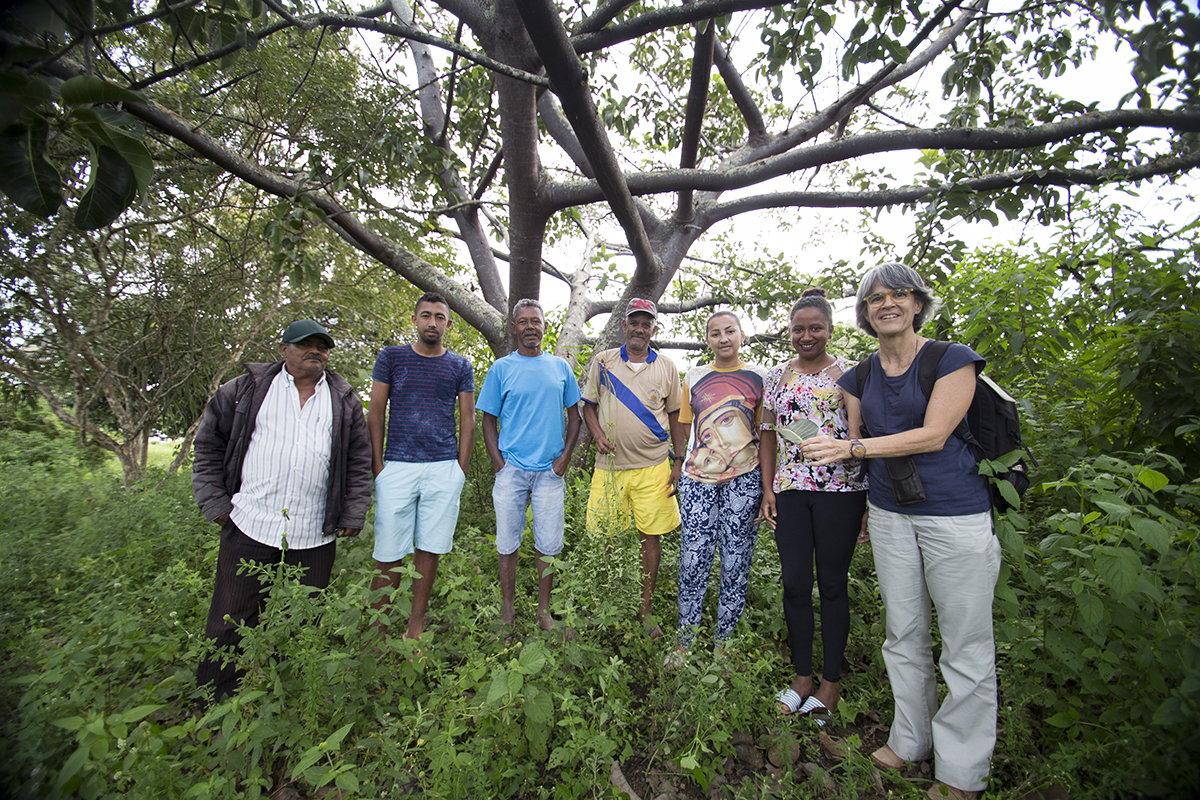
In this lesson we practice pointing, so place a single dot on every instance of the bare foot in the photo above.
(654, 632)
(830, 694)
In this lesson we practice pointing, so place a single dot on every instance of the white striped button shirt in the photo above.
(285, 476)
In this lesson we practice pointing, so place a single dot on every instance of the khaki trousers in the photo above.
(949, 564)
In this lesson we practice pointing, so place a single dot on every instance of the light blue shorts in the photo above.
(513, 491)
(416, 503)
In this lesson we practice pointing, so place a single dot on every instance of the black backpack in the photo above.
(992, 429)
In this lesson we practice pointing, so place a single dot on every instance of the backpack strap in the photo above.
(862, 370)
(927, 377)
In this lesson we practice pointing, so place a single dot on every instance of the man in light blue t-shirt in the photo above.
(530, 432)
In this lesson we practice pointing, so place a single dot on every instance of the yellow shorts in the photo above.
(643, 491)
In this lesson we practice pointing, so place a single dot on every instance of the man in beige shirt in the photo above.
(631, 406)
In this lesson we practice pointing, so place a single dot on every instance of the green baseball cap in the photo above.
(301, 329)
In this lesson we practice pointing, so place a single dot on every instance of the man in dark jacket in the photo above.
(283, 465)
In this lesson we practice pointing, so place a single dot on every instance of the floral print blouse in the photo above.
(818, 398)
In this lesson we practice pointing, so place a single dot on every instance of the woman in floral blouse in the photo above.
(815, 511)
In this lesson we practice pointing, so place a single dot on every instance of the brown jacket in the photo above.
(224, 435)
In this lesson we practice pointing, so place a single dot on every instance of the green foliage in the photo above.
(120, 165)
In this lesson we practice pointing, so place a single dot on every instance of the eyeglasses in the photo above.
(898, 295)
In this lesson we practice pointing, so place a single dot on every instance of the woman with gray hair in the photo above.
(931, 533)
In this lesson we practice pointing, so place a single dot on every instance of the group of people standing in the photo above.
(812, 447)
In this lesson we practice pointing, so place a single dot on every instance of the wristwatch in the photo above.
(857, 449)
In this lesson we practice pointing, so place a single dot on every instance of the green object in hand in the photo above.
(798, 430)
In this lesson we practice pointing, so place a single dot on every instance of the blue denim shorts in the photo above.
(416, 504)
(516, 489)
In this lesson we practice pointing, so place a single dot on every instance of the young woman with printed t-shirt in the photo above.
(814, 511)
(932, 538)
(721, 487)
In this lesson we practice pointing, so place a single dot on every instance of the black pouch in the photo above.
(906, 482)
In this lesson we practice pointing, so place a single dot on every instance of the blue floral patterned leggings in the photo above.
(716, 514)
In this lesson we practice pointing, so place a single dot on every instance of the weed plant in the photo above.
(104, 590)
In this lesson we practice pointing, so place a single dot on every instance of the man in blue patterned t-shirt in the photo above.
(419, 477)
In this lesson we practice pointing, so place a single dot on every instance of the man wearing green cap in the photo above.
(283, 465)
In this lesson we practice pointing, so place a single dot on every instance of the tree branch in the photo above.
(569, 81)
(475, 311)
(665, 18)
(434, 119)
(1064, 178)
(469, 12)
(605, 13)
(693, 117)
(970, 139)
(337, 21)
(756, 128)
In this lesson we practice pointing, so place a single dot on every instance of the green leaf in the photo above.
(1152, 479)
(25, 175)
(798, 430)
(311, 756)
(515, 681)
(1009, 493)
(139, 713)
(72, 767)
(1153, 533)
(1112, 504)
(1065, 719)
(1091, 609)
(689, 762)
(336, 739)
(533, 658)
(18, 96)
(499, 686)
(347, 782)
(1119, 567)
(538, 707)
(111, 189)
(69, 723)
(1010, 540)
(85, 89)
(106, 127)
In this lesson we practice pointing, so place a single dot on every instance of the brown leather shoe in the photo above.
(886, 758)
(944, 791)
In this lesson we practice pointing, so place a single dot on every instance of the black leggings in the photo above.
(825, 524)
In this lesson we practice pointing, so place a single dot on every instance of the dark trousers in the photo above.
(240, 597)
(823, 525)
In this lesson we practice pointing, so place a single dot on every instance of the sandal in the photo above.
(789, 699)
(817, 710)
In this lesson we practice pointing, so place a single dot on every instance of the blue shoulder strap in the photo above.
(631, 401)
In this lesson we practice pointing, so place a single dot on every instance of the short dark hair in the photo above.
(813, 298)
(893, 275)
(431, 297)
(527, 303)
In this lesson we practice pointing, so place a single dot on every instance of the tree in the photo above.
(126, 332)
(521, 112)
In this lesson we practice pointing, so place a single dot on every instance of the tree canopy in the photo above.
(513, 124)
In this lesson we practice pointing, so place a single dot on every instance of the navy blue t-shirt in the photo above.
(895, 404)
(421, 403)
